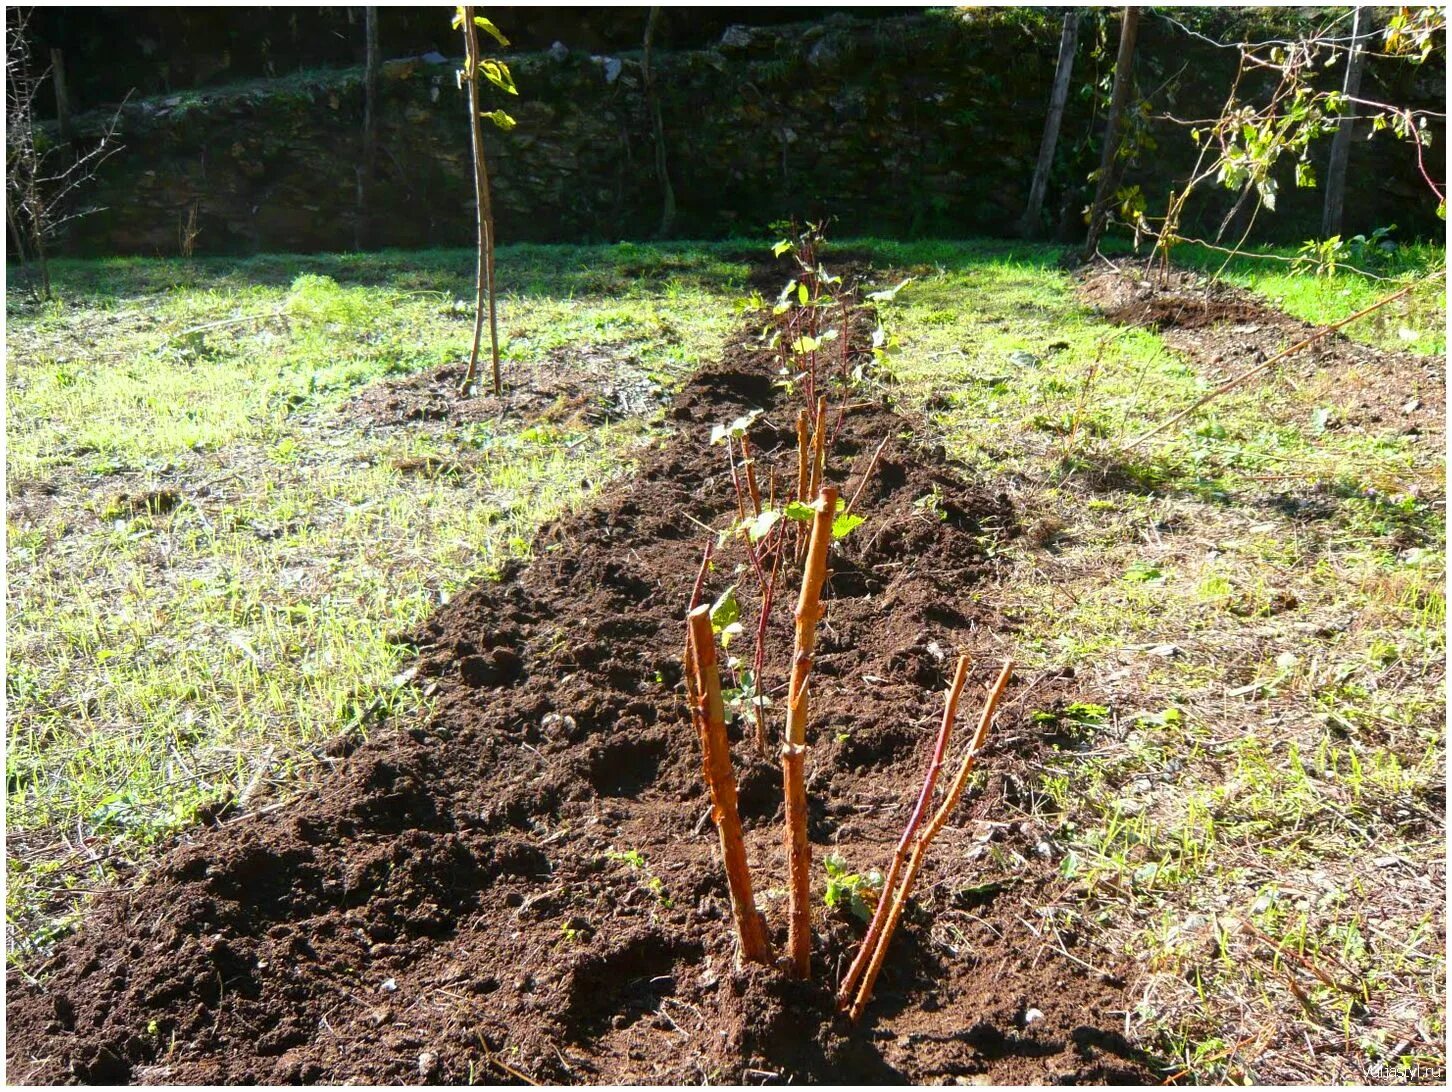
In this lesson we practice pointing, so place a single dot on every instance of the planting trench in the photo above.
(530, 888)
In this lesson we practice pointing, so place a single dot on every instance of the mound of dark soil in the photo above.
(1140, 296)
(574, 386)
(1226, 329)
(529, 887)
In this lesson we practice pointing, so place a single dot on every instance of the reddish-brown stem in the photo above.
(819, 447)
(804, 471)
(866, 476)
(899, 856)
(804, 450)
(701, 573)
(751, 487)
(758, 659)
(845, 339)
(925, 840)
(703, 686)
(736, 482)
(799, 854)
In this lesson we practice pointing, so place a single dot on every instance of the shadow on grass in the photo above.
(526, 269)
(1155, 476)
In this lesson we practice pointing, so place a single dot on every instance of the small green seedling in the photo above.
(931, 504)
(726, 616)
(736, 429)
(857, 891)
(633, 857)
(739, 699)
(651, 882)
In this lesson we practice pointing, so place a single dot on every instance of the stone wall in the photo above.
(924, 124)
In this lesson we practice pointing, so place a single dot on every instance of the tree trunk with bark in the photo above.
(62, 96)
(1029, 226)
(652, 101)
(1113, 131)
(1333, 212)
(363, 235)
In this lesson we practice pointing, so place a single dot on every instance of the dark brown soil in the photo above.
(454, 903)
(1227, 330)
(579, 386)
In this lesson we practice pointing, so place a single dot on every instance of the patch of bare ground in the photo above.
(573, 386)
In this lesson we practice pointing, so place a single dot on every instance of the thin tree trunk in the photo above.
(484, 266)
(17, 238)
(652, 101)
(1113, 131)
(1332, 214)
(62, 97)
(363, 230)
(35, 207)
(1029, 226)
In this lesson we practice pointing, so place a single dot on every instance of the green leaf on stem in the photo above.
(490, 29)
(761, 526)
(726, 610)
(497, 73)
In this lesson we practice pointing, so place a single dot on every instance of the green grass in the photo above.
(1253, 609)
(211, 569)
(1252, 605)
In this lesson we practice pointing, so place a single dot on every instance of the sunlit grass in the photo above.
(1254, 614)
(211, 572)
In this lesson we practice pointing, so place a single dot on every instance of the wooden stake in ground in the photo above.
(703, 689)
(794, 747)
(1028, 225)
(923, 842)
(848, 988)
(1331, 214)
